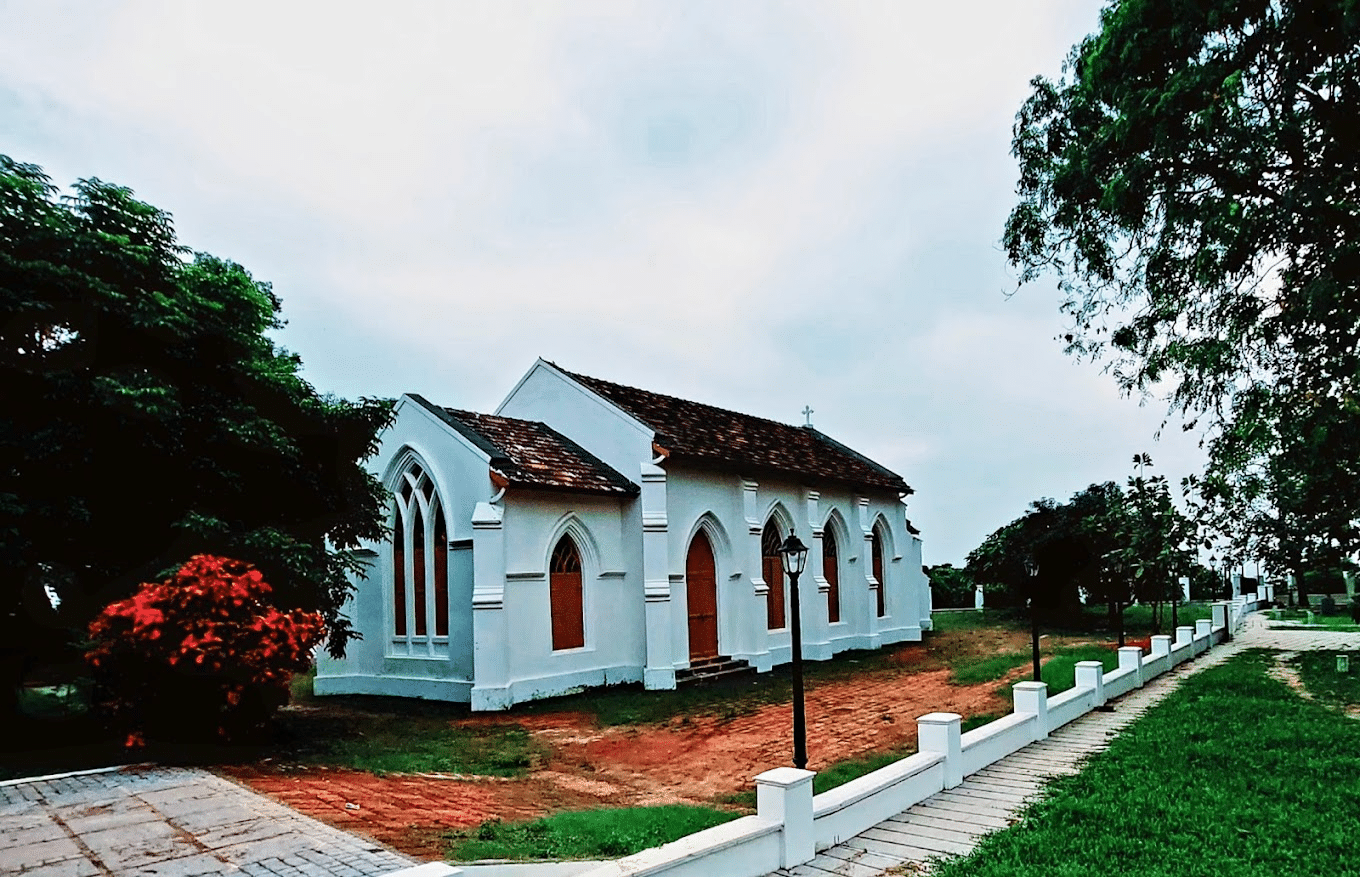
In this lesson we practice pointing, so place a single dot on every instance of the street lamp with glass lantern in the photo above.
(794, 554)
(1032, 569)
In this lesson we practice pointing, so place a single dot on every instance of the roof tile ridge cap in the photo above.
(743, 414)
(454, 417)
(840, 446)
(584, 454)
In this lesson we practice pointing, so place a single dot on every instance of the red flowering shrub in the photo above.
(200, 655)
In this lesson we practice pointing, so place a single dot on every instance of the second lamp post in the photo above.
(1032, 569)
(794, 554)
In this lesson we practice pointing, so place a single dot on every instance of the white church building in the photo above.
(590, 533)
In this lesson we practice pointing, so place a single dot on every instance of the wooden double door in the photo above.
(701, 588)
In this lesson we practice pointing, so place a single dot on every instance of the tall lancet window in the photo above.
(565, 595)
(877, 551)
(420, 566)
(831, 571)
(772, 569)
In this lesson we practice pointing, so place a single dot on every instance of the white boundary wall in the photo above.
(791, 824)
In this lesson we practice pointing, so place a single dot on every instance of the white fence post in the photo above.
(940, 732)
(1131, 658)
(1031, 698)
(1091, 674)
(784, 795)
(1220, 611)
(1203, 626)
(1184, 634)
(1161, 645)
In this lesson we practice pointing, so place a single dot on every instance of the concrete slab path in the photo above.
(952, 822)
(170, 822)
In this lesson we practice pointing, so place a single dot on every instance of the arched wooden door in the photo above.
(701, 588)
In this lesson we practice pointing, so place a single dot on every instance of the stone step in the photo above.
(709, 669)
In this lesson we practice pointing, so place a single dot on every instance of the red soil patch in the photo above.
(688, 760)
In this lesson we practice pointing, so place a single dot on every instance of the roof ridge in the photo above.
(733, 411)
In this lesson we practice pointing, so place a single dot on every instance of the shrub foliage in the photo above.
(201, 655)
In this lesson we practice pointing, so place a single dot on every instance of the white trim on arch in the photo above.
(410, 499)
(717, 538)
(571, 524)
(834, 524)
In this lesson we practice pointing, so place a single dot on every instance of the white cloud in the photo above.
(758, 205)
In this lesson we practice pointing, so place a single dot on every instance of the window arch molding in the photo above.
(709, 525)
(778, 523)
(879, 567)
(416, 560)
(569, 600)
(881, 526)
(571, 525)
(835, 531)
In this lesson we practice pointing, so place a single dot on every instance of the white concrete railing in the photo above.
(791, 824)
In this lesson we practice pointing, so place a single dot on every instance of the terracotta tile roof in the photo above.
(694, 431)
(534, 455)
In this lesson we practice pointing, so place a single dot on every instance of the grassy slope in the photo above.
(585, 834)
(1232, 774)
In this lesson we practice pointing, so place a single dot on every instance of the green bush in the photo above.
(1327, 605)
(1355, 610)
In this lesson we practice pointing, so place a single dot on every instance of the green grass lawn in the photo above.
(1233, 774)
(1329, 622)
(585, 834)
(416, 745)
(1059, 672)
(988, 668)
(1320, 677)
(942, 622)
(1088, 620)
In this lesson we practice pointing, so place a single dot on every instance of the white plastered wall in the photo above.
(459, 472)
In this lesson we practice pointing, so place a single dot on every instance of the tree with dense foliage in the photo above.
(148, 417)
(951, 587)
(1106, 545)
(1157, 542)
(1193, 180)
(1067, 540)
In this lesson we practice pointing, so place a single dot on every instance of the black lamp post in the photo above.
(1109, 576)
(1032, 568)
(794, 554)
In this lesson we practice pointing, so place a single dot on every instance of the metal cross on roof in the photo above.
(807, 412)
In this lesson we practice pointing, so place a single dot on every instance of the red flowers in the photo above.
(205, 637)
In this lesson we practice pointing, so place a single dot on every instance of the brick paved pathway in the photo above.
(170, 822)
(951, 822)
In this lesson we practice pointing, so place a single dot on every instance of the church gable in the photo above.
(530, 454)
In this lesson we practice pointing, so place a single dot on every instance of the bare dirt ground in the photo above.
(699, 760)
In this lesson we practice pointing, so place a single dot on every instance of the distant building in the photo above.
(589, 533)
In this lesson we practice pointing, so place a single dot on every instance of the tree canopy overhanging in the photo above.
(148, 417)
(1193, 181)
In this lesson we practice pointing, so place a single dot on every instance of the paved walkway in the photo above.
(951, 822)
(170, 822)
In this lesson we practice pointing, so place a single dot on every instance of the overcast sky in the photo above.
(756, 205)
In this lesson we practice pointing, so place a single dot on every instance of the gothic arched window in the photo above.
(420, 557)
(565, 595)
(772, 570)
(877, 552)
(832, 573)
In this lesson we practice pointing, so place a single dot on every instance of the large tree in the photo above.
(148, 417)
(1068, 541)
(1193, 180)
